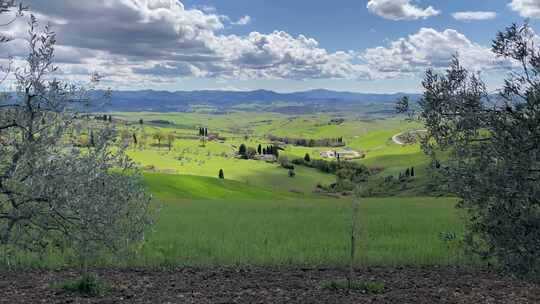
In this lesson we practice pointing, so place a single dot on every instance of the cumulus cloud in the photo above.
(429, 48)
(134, 42)
(244, 20)
(400, 10)
(474, 16)
(526, 8)
(136, 39)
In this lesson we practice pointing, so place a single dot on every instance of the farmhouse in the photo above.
(328, 154)
(342, 154)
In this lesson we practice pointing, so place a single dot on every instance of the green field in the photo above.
(245, 227)
(259, 215)
(189, 157)
(207, 222)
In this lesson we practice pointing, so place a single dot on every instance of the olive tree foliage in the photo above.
(491, 148)
(52, 193)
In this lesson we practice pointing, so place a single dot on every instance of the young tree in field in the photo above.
(142, 139)
(171, 137)
(355, 223)
(141, 122)
(53, 194)
(221, 174)
(159, 136)
(491, 144)
(307, 158)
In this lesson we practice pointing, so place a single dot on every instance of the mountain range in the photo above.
(165, 101)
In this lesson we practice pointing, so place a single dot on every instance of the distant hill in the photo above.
(165, 101)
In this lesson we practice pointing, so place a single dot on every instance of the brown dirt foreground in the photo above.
(272, 285)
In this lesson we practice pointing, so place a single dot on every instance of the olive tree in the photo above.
(489, 149)
(52, 193)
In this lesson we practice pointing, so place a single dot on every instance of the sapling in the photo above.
(355, 206)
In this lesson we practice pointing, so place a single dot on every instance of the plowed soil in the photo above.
(272, 285)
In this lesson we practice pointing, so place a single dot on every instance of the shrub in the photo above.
(292, 173)
(87, 285)
(284, 162)
(251, 153)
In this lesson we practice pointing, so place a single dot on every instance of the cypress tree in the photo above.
(242, 150)
(221, 174)
(92, 142)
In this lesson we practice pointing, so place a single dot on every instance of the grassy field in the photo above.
(260, 216)
(189, 157)
(295, 230)
(207, 162)
(207, 222)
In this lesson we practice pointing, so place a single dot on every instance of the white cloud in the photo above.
(400, 10)
(526, 8)
(428, 48)
(151, 42)
(244, 20)
(140, 39)
(474, 16)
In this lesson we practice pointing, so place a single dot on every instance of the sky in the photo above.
(375, 46)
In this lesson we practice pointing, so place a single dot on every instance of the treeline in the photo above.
(305, 142)
(252, 153)
(348, 174)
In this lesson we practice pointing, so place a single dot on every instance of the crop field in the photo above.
(258, 215)
(208, 223)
